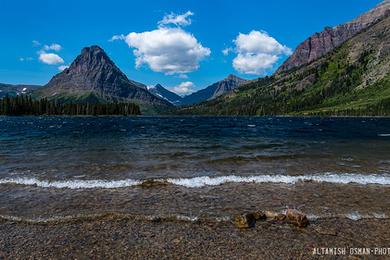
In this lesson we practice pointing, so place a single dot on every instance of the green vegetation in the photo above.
(353, 79)
(25, 105)
(88, 97)
(334, 85)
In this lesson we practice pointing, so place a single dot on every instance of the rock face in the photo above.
(227, 85)
(324, 42)
(164, 93)
(213, 91)
(94, 73)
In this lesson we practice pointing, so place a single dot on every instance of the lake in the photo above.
(193, 167)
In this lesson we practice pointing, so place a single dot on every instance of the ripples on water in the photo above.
(141, 148)
(115, 152)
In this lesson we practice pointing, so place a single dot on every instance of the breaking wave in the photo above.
(199, 182)
(72, 184)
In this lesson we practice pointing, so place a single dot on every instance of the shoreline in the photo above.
(317, 200)
(137, 239)
(178, 218)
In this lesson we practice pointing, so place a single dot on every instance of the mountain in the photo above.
(213, 91)
(93, 77)
(324, 42)
(227, 85)
(164, 93)
(14, 90)
(353, 79)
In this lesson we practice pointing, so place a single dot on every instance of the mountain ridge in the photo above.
(209, 93)
(164, 93)
(321, 43)
(352, 79)
(214, 90)
(94, 77)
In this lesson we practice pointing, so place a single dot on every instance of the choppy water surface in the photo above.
(206, 166)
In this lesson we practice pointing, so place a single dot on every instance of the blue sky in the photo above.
(208, 28)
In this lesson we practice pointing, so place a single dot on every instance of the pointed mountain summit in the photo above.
(164, 93)
(227, 85)
(319, 44)
(213, 91)
(93, 77)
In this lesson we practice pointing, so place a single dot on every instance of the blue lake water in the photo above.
(69, 155)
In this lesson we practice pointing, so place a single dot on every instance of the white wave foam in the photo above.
(198, 182)
(72, 184)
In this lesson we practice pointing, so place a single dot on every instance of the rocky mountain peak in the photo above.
(94, 73)
(91, 70)
(228, 84)
(319, 44)
(164, 93)
(233, 77)
(93, 64)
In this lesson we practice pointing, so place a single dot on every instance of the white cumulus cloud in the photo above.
(117, 37)
(63, 67)
(176, 19)
(50, 58)
(170, 50)
(167, 50)
(257, 52)
(255, 64)
(46, 54)
(183, 88)
(52, 47)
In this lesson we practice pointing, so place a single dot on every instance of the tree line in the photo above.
(329, 89)
(25, 105)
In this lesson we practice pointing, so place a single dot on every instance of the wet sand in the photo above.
(116, 238)
(228, 200)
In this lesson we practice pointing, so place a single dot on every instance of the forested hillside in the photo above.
(354, 79)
